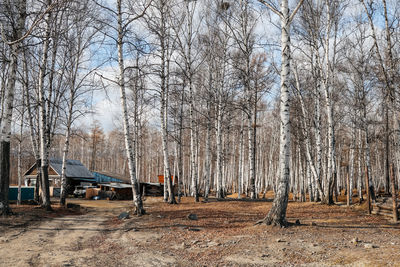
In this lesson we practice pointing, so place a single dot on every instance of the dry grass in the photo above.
(224, 234)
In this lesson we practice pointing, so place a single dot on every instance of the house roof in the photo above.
(74, 169)
(121, 177)
(117, 185)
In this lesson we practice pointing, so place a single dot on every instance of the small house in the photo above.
(76, 173)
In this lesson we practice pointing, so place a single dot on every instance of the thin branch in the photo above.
(276, 11)
(34, 24)
(138, 16)
(295, 11)
(105, 78)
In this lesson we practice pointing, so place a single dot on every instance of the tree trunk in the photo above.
(207, 165)
(241, 148)
(137, 199)
(252, 156)
(277, 214)
(394, 195)
(8, 111)
(193, 146)
(42, 117)
(220, 191)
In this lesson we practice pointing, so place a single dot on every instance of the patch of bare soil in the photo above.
(224, 234)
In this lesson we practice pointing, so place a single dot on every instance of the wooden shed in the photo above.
(118, 191)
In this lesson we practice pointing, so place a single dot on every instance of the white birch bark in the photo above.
(310, 160)
(328, 190)
(360, 167)
(137, 199)
(351, 169)
(20, 149)
(241, 155)
(193, 146)
(252, 156)
(42, 116)
(318, 146)
(219, 166)
(7, 110)
(207, 165)
(277, 214)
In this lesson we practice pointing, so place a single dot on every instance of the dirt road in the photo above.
(223, 235)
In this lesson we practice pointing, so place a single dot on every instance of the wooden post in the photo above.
(394, 195)
(367, 190)
(348, 186)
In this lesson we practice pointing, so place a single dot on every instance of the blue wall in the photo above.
(27, 193)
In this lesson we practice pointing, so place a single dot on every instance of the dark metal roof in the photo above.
(74, 168)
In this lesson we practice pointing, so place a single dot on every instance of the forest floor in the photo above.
(223, 235)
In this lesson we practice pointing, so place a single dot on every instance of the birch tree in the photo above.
(387, 72)
(159, 23)
(124, 14)
(137, 198)
(17, 12)
(244, 37)
(277, 214)
(78, 43)
(186, 38)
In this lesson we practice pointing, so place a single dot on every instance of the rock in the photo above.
(369, 245)
(279, 240)
(194, 242)
(264, 255)
(297, 222)
(124, 215)
(192, 216)
(73, 206)
(313, 224)
(131, 229)
(355, 240)
(212, 244)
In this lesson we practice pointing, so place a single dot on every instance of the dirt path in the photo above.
(55, 242)
(223, 235)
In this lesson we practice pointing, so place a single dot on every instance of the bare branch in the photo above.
(34, 24)
(295, 11)
(139, 15)
(276, 11)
